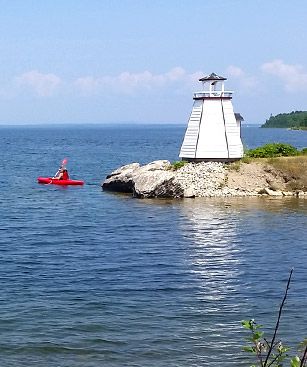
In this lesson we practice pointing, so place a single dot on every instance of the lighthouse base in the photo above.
(221, 160)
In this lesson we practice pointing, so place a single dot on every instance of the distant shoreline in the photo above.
(108, 124)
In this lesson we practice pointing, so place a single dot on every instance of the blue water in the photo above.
(89, 278)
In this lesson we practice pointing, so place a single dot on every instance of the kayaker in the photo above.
(62, 173)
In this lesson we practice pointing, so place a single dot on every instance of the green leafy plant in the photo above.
(178, 164)
(272, 150)
(274, 352)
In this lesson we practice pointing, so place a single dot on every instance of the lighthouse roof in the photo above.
(238, 116)
(212, 76)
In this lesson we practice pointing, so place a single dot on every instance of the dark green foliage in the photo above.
(293, 120)
(272, 150)
(178, 164)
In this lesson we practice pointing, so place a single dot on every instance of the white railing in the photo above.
(212, 94)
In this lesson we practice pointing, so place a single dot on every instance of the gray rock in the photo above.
(156, 165)
(189, 192)
(288, 193)
(151, 180)
(270, 192)
(149, 184)
(156, 180)
(125, 170)
(121, 179)
(299, 193)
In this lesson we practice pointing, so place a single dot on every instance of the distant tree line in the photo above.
(292, 120)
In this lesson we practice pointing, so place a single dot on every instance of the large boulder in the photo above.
(151, 180)
(159, 183)
(121, 179)
(155, 179)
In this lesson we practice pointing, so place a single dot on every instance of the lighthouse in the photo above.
(214, 130)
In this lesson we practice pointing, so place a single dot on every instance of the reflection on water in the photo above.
(212, 234)
(241, 251)
(213, 256)
(227, 235)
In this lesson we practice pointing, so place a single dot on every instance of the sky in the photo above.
(103, 61)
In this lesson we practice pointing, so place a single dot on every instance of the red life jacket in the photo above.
(65, 175)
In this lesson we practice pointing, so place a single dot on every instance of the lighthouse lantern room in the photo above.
(214, 130)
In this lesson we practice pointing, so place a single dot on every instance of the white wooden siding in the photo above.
(235, 147)
(188, 148)
(211, 141)
(212, 131)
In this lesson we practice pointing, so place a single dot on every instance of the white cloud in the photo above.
(235, 71)
(247, 82)
(127, 82)
(294, 77)
(175, 74)
(177, 79)
(86, 84)
(43, 85)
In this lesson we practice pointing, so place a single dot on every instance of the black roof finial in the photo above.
(212, 76)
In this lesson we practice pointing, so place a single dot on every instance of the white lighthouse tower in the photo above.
(214, 130)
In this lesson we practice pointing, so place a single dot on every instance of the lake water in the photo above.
(90, 278)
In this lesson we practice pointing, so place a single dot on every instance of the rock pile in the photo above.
(204, 179)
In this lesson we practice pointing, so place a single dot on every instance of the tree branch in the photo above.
(274, 360)
(278, 320)
(304, 358)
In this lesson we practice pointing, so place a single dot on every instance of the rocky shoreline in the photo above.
(159, 179)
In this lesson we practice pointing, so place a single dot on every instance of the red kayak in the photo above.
(56, 181)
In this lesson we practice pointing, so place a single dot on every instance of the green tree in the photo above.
(294, 119)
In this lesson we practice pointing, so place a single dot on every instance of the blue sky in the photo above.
(99, 61)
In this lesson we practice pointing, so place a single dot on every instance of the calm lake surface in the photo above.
(90, 278)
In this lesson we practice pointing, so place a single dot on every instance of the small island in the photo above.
(295, 120)
(272, 170)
